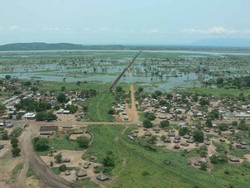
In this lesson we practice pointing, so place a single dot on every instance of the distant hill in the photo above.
(39, 46)
(68, 46)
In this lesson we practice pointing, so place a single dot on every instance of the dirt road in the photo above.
(49, 178)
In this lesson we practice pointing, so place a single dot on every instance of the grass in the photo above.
(16, 171)
(85, 182)
(219, 92)
(59, 142)
(136, 166)
(56, 86)
(99, 106)
(30, 172)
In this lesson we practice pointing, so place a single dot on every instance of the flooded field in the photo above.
(164, 70)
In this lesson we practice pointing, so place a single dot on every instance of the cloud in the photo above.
(86, 29)
(217, 30)
(14, 27)
(51, 29)
(152, 31)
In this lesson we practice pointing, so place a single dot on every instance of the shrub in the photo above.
(62, 168)
(147, 123)
(164, 123)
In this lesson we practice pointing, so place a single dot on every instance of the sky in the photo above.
(153, 22)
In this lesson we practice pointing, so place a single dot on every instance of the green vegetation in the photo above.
(83, 142)
(99, 106)
(16, 171)
(30, 172)
(57, 141)
(136, 166)
(85, 182)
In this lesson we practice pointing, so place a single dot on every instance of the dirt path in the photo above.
(133, 104)
(41, 169)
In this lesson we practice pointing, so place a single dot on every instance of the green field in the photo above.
(136, 166)
(218, 92)
(99, 106)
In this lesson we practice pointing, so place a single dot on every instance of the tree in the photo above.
(41, 144)
(118, 89)
(14, 142)
(204, 101)
(15, 151)
(7, 77)
(147, 123)
(183, 131)
(149, 115)
(223, 127)
(158, 93)
(214, 159)
(5, 135)
(62, 168)
(209, 123)
(109, 160)
(82, 141)
(198, 136)
(61, 98)
(164, 123)
(140, 89)
(58, 158)
(63, 88)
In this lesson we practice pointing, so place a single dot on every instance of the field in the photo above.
(99, 106)
(136, 166)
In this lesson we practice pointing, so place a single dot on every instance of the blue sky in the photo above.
(123, 22)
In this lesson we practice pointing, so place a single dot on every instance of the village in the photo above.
(211, 128)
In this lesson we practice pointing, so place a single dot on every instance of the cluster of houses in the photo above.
(120, 109)
(178, 111)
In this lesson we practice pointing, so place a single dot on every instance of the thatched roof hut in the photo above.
(102, 177)
(81, 173)
(234, 159)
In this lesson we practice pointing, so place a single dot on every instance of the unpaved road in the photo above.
(42, 170)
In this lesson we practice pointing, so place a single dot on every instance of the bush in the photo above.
(149, 115)
(41, 144)
(109, 160)
(58, 158)
(62, 168)
(164, 123)
(82, 141)
(198, 136)
(147, 123)
(223, 127)
(214, 159)
(15, 151)
(183, 131)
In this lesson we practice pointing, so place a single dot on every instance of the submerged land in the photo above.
(179, 117)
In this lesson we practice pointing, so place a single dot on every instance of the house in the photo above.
(81, 173)
(29, 115)
(234, 159)
(102, 177)
(242, 116)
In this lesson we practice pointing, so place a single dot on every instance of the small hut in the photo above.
(81, 173)
(102, 177)
(234, 159)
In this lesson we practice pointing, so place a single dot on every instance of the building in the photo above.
(29, 115)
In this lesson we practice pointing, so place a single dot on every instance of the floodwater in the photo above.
(162, 70)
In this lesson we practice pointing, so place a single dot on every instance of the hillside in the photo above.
(69, 46)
